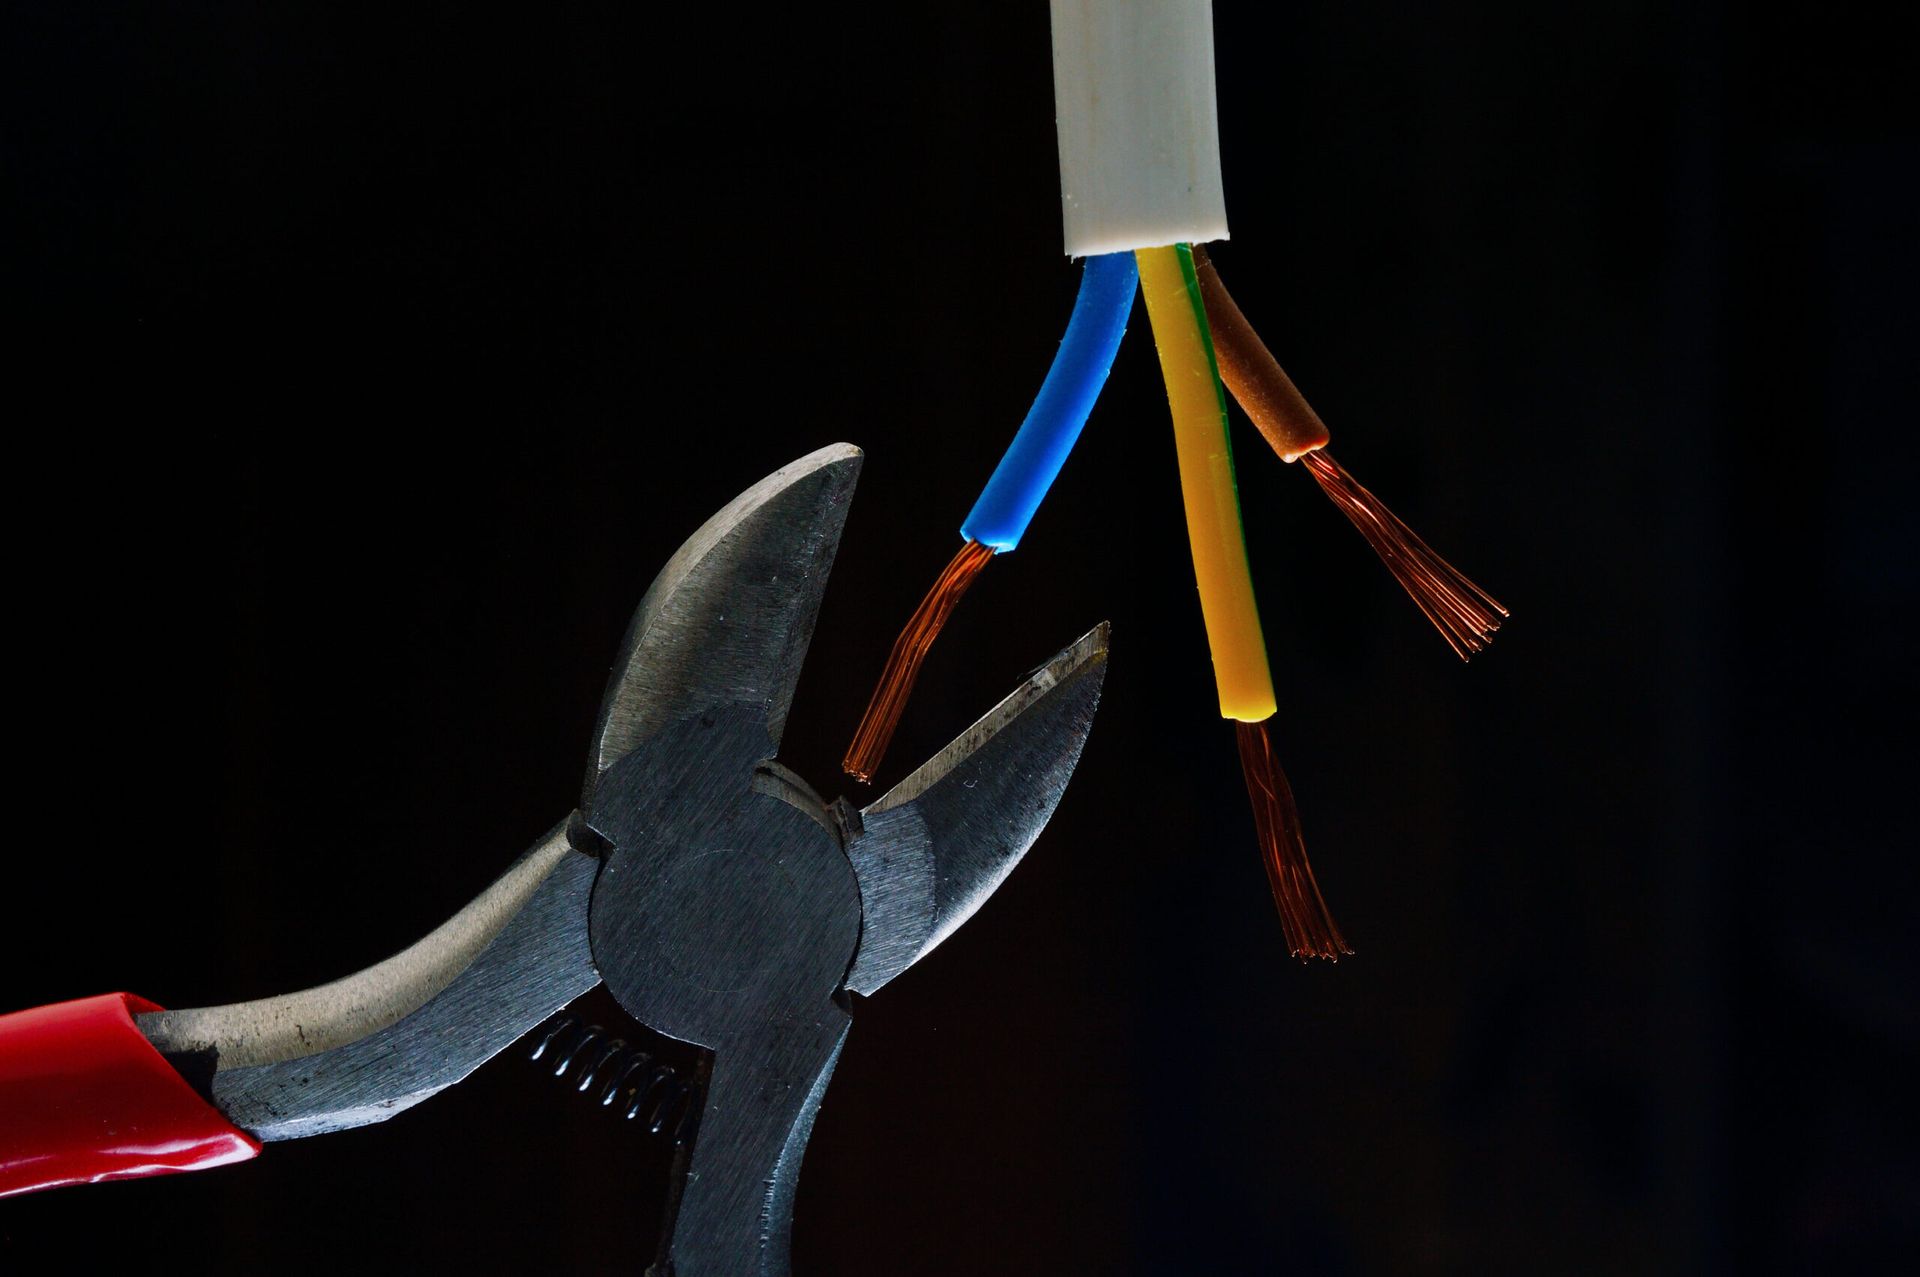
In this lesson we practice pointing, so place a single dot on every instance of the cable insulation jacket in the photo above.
(1271, 400)
(1199, 406)
(1138, 124)
(1052, 426)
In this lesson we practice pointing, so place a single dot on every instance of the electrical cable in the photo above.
(1466, 615)
(1241, 674)
(1013, 494)
(1052, 426)
(1207, 484)
(1140, 187)
(1137, 121)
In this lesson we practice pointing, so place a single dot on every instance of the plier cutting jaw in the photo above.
(719, 898)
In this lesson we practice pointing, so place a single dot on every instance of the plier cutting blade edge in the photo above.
(721, 901)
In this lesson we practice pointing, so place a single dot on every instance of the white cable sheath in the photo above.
(1139, 131)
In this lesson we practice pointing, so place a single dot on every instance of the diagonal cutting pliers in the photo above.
(716, 895)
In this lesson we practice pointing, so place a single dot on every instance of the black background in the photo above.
(366, 367)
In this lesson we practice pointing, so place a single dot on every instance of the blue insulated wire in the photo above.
(1053, 424)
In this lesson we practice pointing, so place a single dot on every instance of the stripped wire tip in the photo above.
(877, 725)
(1466, 615)
(1305, 921)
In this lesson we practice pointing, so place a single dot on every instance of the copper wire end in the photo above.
(875, 733)
(1466, 615)
(1304, 919)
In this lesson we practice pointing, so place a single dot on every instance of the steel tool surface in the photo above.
(719, 898)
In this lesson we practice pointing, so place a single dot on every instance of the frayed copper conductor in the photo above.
(1304, 919)
(890, 695)
(1466, 615)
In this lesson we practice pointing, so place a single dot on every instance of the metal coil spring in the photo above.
(631, 1082)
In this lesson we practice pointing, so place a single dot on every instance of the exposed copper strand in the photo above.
(1305, 921)
(875, 733)
(1466, 615)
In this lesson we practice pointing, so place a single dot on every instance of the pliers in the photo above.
(718, 897)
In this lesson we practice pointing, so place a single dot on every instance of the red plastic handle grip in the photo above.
(84, 1097)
